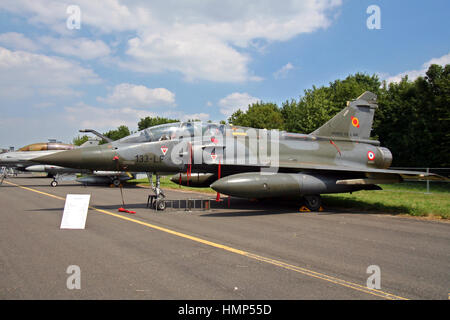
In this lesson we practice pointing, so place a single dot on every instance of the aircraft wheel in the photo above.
(54, 183)
(160, 205)
(116, 182)
(313, 202)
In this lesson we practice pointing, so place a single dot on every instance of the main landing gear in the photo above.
(156, 201)
(116, 182)
(3, 174)
(313, 202)
(55, 177)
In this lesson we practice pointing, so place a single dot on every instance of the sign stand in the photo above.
(75, 211)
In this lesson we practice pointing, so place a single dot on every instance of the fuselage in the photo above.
(172, 149)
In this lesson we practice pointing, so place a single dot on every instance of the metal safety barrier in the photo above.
(186, 204)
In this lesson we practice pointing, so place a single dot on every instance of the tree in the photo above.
(259, 115)
(147, 122)
(438, 78)
(413, 119)
(119, 133)
(318, 105)
(78, 141)
(310, 112)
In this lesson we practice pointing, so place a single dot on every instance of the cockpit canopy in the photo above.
(47, 146)
(176, 130)
(203, 130)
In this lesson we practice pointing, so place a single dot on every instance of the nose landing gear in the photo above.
(156, 201)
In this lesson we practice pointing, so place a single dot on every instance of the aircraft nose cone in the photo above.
(94, 158)
(70, 158)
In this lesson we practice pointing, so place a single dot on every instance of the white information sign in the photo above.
(75, 211)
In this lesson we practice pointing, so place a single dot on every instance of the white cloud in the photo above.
(235, 101)
(106, 15)
(201, 40)
(414, 74)
(30, 74)
(86, 116)
(81, 48)
(195, 57)
(130, 95)
(445, 59)
(283, 71)
(191, 116)
(17, 41)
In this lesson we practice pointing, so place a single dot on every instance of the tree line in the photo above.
(412, 118)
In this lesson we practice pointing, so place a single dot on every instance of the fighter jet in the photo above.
(51, 145)
(245, 162)
(21, 161)
(106, 177)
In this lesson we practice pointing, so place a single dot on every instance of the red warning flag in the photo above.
(218, 177)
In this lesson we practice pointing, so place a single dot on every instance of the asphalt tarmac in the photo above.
(253, 250)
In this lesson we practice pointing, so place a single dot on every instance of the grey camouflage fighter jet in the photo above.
(254, 163)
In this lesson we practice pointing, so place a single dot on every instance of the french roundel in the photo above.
(370, 155)
(355, 122)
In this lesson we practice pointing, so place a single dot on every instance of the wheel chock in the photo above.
(305, 209)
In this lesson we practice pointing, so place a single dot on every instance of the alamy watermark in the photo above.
(374, 281)
(74, 19)
(373, 22)
(74, 280)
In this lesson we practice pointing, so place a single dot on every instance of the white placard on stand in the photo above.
(75, 211)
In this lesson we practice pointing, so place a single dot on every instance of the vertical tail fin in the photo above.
(354, 122)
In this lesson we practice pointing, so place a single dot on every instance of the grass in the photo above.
(394, 200)
(166, 183)
(408, 198)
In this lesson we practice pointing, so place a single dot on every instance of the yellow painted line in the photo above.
(34, 190)
(278, 263)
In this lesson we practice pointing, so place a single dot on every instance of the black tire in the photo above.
(54, 183)
(116, 182)
(160, 205)
(313, 202)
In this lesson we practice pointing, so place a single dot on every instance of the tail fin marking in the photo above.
(354, 122)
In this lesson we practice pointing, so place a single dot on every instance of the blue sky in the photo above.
(194, 59)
